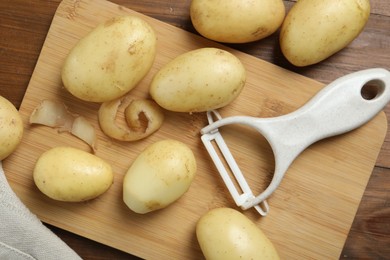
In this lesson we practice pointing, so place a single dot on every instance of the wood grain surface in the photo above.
(23, 30)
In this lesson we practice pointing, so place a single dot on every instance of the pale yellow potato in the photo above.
(237, 21)
(226, 234)
(159, 176)
(111, 60)
(69, 174)
(11, 128)
(313, 30)
(199, 80)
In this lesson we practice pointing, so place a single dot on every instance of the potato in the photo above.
(11, 128)
(237, 21)
(225, 233)
(314, 29)
(69, 174)
(111, 60)
(199, 80)
(159, 176)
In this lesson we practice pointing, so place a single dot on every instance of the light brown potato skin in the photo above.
(72, 175)
(11, 128)
(111, 60)
(313, 30)
(134, 113)
(227, 234)
(237, 21)
(199, 80)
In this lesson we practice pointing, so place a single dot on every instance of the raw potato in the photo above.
(159, 176)
(225, 233)
(315, 29)
(199, 80)
(111, 60)
(72, 175)
(237, 21)
(11, 128)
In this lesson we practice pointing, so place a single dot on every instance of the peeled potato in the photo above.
(11, 128)
(313, 30)
(159, 176)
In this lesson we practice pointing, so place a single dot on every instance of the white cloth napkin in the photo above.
(22, 234)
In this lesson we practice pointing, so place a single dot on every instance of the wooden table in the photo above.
(23, 28)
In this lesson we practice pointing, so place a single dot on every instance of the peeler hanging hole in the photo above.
(372, 89)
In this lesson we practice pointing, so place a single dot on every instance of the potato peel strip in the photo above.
(136, 129)
(56, 115)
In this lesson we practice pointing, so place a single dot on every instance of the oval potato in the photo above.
(159, 176)
(11, 128)
(313, 30)
(70, 174)
(110, 60)
(237, 21)
(199, 80)
(224, 233)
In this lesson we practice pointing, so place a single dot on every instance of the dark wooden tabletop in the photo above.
(23, 28)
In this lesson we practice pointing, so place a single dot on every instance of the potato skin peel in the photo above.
(55, 114)
(136, 129)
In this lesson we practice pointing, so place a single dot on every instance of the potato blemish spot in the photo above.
(112, 21)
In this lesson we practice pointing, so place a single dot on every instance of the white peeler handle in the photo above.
(338, 108)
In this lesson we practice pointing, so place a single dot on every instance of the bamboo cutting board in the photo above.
(311, 212)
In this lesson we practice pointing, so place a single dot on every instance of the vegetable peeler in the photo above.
(345, 104)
